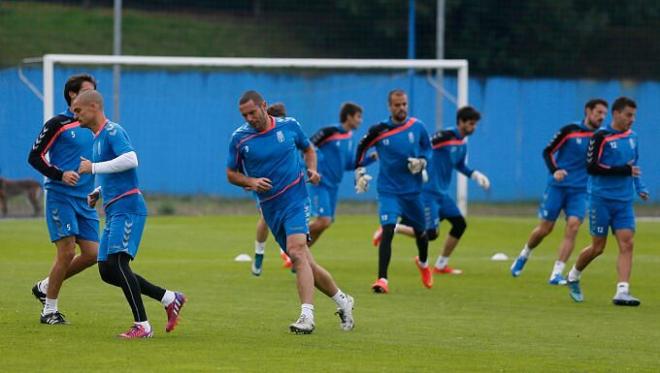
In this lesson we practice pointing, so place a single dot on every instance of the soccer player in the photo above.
(277, 110)
(449, 153)
(566, 190)
(614, 178)
(114, 165)
(334, 145)
(264, 157)
(56, 154)
(403, 146)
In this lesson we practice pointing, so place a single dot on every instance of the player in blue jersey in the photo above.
(114, 164)
(56, 154)
(614, 179)
(276, 110)
(566, 190)
(336, 154)
(264, 156)
(403, 147)
(449, 154)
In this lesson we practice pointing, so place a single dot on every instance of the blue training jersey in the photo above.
(58, 148)
(610, 158)
(273, 154)
(335, 154)
(449, 153)
(567, 151)
(119, 189)
(395, 143)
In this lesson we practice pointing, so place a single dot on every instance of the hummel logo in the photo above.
(41, 137)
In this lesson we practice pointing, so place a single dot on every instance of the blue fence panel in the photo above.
(181, 121)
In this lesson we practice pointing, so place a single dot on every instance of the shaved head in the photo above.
(88, 97)
(88, 109)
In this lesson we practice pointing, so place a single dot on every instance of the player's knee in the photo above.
(573, 225)
(324, 222)
(432, 234)
(66, 252)
(108, 272)
(458, 226)
(545, 227)
(626, 245)
(296, 251)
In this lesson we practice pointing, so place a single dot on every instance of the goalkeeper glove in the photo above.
(481, 179)
(361, 180)
(416, 165)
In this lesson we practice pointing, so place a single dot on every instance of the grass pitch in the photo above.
(483, 320)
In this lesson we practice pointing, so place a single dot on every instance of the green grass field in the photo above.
(483, 320)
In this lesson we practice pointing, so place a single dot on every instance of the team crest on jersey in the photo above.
(73, 134)
(280, 136)
(386, 142)
(613, 144)
(411, 137)
(632, 143)
(246, 149)
(578, 140)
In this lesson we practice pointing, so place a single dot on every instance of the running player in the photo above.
(264, 156)
(114, 162)
(566, 190)
(614, 179)
(403, 147)
(56, 155)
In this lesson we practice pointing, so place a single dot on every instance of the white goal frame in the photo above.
(50, 60)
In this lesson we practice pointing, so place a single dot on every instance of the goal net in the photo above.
(181, 111)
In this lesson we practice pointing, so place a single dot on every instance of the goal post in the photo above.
(461, 66)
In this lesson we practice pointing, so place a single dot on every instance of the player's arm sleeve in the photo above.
(302, 142)
(594, 166)
(463, 168)
(640, 187)
(321, 135)
(43, 142)
(123, 162)
(425, 144)
(365, 143)
(233, 157)
(552, 147)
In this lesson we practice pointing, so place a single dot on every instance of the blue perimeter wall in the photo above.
(180, 122)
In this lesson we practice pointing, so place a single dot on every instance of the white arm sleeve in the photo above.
(124, 162)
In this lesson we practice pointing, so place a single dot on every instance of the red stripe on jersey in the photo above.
(283, 189)
(389, 133)
(57, 134)
(606, 140)
(337, 136)
(132, 191)
(566, 138)
(448, 143)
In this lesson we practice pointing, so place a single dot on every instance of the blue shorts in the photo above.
(70, 216)
(122, 234)
(572, 200)
(407, 206)
(604, 213)
(324, 201)
(287, 219)
(437, 208)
